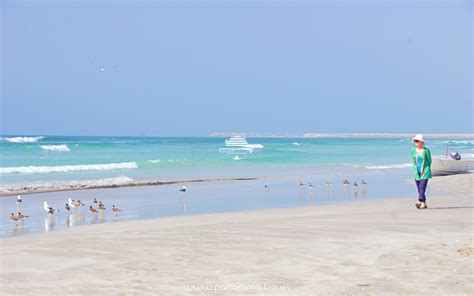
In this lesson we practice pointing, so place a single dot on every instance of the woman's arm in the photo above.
(428, 157)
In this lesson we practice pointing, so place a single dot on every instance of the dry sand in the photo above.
(382, 247)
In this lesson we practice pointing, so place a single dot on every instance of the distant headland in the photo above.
(336, 135)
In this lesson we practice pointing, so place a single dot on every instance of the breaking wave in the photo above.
(22, 139)
(67, 168)
(63, 148)
(465, 142)
(388, 167)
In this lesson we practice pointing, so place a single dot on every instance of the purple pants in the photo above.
(421, 185)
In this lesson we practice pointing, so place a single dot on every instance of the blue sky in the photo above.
(189, 68)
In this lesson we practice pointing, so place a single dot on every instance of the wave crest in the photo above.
(22, 139)
(67, 168)
(388, 167)
(63, 148)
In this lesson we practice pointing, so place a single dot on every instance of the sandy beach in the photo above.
(374, 247)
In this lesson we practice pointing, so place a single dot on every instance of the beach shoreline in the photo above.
(32, 189)
(383, 247)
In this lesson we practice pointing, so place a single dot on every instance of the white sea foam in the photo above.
(295, 143)
(23, 139)
(154, 161)
(62, 147)
(67, 168)
(388, 167)
(116, 181)
(121, 180)
(254, 146)
(466, 142)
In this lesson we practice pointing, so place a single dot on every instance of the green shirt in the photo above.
(426, 165)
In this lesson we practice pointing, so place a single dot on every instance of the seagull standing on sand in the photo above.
(71, 203)
(310, 186)
(21, 216)
(328, 184)
(49, 209)
(355, 184)
(346, 182)
(301, 184)
(115, 209)
(363, 182)
(101, 206)
(183, 189)
(14, 219)
(266, 187)
(67, 207)
(95, 202)
(92, 210)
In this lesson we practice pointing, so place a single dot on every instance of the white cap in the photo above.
(418, 137)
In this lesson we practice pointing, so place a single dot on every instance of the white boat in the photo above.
(241, 142)
(239, 145)
(440, 166)
(236, 142)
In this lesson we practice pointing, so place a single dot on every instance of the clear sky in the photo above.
(189, 68)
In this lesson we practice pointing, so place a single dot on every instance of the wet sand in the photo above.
(373, 247)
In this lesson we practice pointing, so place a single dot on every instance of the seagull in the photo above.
(183, 189)
(21, 216)
(67, 207)
(346, 182)
(301, 184)
(115, 209)
(14, 218)
(101, 206)
(355, 184)
(310, 186)
(266, 187)
(49, 209)
(92, 210)
(95, 201)
(363, 183)
(19, 200)
(71, 203)
(328, 184)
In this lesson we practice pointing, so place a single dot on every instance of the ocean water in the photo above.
(281, 164)
(57, 160)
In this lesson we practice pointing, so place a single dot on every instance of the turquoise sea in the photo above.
(51, 160)
(279, 164)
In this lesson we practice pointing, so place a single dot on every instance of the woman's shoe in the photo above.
(423, 205)
(418, 204)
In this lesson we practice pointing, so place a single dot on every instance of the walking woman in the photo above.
(421, 157)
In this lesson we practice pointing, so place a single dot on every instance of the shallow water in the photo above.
(201, 198)
(97, 160)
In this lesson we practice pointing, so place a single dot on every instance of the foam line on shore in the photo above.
(28, 189)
